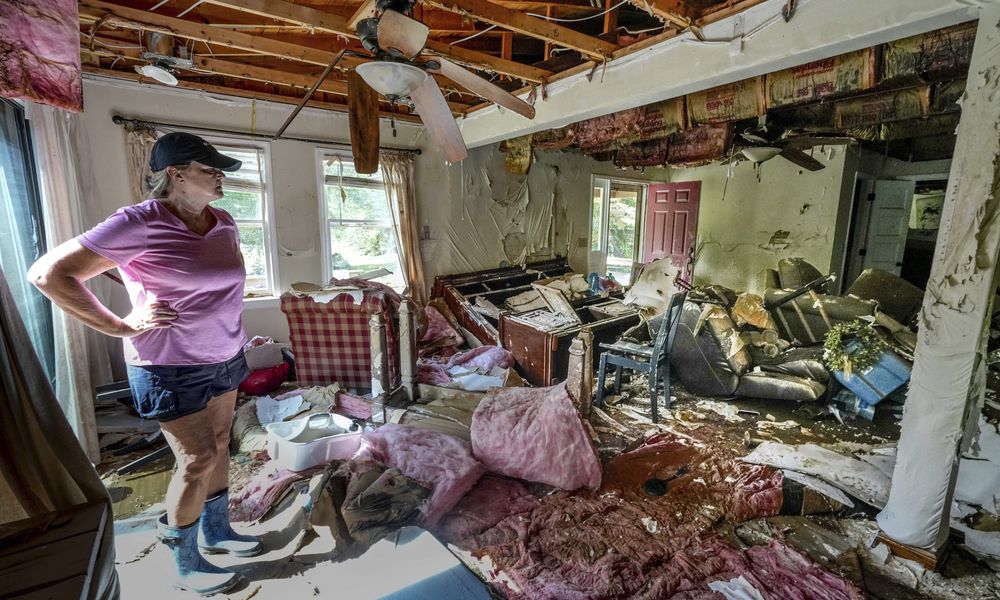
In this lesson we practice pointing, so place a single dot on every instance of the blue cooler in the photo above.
(875, 383)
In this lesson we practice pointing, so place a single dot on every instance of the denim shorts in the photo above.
(168, 392)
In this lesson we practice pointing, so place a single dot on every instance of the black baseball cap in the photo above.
(180, 148)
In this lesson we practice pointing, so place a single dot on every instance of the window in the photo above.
(616, 208)
(247, 199)
(22, 238)
(358, 236)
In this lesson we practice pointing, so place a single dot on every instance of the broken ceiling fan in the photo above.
(398, 71)
(762, 143)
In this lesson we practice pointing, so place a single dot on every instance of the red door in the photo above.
(672, 224)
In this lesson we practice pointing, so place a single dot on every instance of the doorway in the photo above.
(671, 228)
(895, 226)
(615, 226)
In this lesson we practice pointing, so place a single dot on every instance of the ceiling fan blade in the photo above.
(362, 111)
(479, 86)
(801, 159)
(802, 142)
(396, 30)
(437, 118)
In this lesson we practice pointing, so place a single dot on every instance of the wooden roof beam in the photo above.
(671, 12)
(519, 22)
(228, 91)
(130, 18)
(366, 10)
(310, 17)
(237, 70)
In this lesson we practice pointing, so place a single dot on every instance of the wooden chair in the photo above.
(653, 360)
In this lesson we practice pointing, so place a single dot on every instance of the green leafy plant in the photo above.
(852, 346)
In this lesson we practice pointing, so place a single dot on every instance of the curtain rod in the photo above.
(120, 120)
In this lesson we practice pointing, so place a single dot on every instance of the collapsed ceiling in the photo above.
(900, 98)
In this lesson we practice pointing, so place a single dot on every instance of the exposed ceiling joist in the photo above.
(238, 70)
(229, 91)
(311, 17)
(95, 10)
(491, 63)
(522, 23)
(366, 10)
(668, 11)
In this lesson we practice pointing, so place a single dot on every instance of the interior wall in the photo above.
(488, 216)
(745, 226)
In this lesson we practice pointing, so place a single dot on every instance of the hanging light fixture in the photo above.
(391, 79)
(158, 73)
(759, 154)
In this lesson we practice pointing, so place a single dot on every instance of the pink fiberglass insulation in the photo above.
(439, 330)
(432, 373)
(493, 498)
(623, 542)
(484, 358)
(40, 52)
(442, 461)
(535, 434)
(258, 496)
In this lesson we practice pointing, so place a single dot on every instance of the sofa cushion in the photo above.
(896, 297)
(796, 272)
(708, 354)
(778, 386)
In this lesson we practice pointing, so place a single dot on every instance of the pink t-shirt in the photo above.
(201, 277)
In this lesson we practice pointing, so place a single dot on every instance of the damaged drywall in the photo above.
(948, 374)
(483, 215)
(745, 226)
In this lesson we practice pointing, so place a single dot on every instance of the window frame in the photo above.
(322, 153)
(606, 183)
(267, 210)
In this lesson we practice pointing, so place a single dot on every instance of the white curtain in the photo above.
(397, 174)
(139, 140)
(81, 355)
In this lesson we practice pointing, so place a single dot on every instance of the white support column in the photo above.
(407, 350)
(380, 355)
(946, 389)
(580, 374)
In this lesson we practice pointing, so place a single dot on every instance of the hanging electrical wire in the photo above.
(474, 35)
(577, 20)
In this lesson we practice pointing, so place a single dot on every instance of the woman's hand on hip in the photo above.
(155, 315)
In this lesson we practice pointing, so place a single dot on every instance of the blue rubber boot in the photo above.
(218, 537)
(195, 573)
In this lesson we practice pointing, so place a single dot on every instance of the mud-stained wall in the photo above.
(745, 226)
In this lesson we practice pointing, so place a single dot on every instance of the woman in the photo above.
(181, 263)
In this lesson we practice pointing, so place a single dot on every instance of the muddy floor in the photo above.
(842, 542)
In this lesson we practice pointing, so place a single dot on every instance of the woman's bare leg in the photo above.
(220, 415)
(193, 441)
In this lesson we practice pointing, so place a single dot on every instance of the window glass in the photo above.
(337, 166)
(22, 238)
(245, 199)
(359, 233)
(595, 218)
(356, 203)
(622, 215)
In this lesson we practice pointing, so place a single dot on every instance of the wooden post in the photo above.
(947, 386)
(380, 356)
(580, 375)
(407, 351)
(611, 20)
